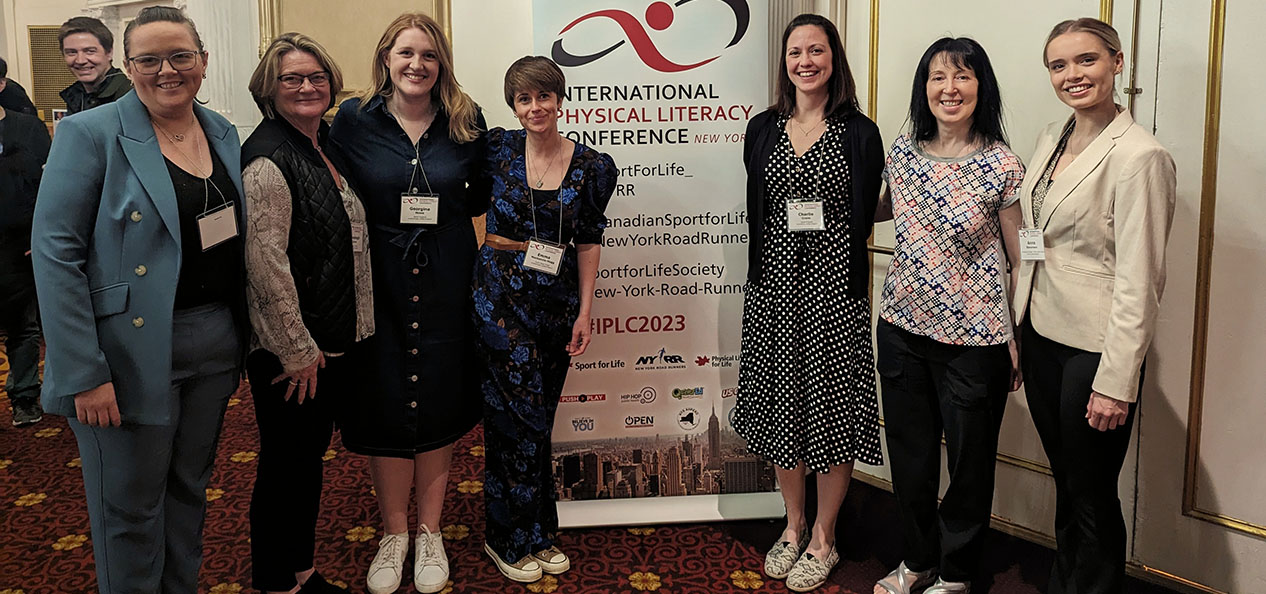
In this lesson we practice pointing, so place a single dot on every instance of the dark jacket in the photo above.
(77, 98)
(25, 149)
(866, 162)
(14, 98)
(320, 242)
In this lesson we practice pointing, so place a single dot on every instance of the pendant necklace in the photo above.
(540, 181)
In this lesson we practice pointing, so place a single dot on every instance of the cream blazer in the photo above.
(1105, 223)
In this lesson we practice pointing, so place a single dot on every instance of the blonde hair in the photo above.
(1111, 40)
(264, 83)
(461, 109)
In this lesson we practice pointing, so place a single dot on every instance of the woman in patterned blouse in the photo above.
(309, 298)
(946, 356)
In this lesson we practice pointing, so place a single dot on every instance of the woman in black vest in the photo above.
(310, 302)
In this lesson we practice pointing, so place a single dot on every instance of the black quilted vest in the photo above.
(320, 245)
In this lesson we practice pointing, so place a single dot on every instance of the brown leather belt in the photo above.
(498, 242)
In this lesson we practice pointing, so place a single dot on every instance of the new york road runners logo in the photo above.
(659, 16)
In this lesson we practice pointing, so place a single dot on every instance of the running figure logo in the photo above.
(659, 16)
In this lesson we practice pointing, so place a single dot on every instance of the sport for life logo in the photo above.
(659, 16)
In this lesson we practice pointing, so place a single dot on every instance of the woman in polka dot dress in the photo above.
(807, 381)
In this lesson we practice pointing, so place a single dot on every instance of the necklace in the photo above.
(178, 137)
(540, 181)
(804, 132)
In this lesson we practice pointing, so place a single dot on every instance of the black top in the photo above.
(14, 98)
(212, 276)
(865, 152)
(23, 149)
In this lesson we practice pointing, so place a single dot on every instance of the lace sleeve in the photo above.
(272, 300)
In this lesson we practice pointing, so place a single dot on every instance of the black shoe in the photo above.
(27, 413)
(317, 585)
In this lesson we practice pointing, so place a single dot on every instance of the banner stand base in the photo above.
(669, 510)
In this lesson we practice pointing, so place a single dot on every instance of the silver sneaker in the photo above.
(943, 587)
(388, 565)
(809, 572)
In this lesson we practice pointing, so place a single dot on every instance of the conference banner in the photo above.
(642, 433)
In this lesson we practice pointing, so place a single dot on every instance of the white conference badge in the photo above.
(1032, 246)
(358, 237)
(217, 226)
(419, 208)
(805, 215)
(544, 256)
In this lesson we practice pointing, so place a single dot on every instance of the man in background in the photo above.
(88, 48)
(12, 96)
(23, 149)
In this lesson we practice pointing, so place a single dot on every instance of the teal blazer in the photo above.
(106, 251)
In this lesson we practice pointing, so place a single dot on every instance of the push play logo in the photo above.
(659, 16)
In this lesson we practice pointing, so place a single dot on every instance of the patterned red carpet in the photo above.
(44, 545)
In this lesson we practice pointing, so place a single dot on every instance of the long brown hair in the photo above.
(841, 89)
(461, 109)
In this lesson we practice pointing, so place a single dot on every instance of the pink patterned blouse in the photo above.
(946, 280)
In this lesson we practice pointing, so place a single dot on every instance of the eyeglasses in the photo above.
(180, 62)
(294, 81)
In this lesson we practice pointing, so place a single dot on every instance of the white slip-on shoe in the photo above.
(525, 570)
(388, 566)
(430, 563)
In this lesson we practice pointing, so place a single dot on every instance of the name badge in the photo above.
(217, 226)
(1032, 246)
(419, 209)
(358, 237)
(544, 256)
(805, 215)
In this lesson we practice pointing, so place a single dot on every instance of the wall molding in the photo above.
(1204, 283)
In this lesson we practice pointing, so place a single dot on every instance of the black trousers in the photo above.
(930, 388)
(293, 439)
(1089, 527)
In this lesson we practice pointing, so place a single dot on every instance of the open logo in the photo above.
(659, 16)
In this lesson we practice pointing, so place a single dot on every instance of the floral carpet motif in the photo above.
(45, 546)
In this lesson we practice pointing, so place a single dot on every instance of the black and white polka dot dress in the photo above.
(807, 377)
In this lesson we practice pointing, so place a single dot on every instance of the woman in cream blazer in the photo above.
(1097, 205)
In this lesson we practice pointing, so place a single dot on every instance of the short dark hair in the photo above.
(160, 14)
(4, 69)
(963, 52)
(841, 88)
(534, 73)
(83, 24)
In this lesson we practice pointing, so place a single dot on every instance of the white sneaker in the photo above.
(430, 564)
(388, 566)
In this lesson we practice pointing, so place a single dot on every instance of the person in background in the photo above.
(807, 382)
(309, 298)
(1097, 205)
(88, 47)
(415, 144)
(532, 314)
(23, 150)
(13, 97)
(139, 268)
(946, 357)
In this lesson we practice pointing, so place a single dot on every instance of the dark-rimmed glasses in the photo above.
(180, 62)
(294, 81)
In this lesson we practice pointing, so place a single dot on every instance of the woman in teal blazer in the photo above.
(139, 271)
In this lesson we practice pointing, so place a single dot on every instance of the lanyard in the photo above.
(532, 201)
(417, 164)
